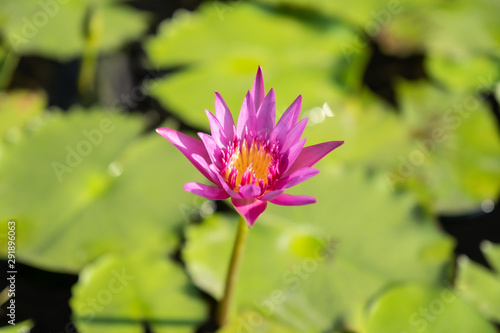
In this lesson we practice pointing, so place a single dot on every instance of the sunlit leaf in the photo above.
(455, 159)
(251, 320)
(120, 294)
(416, 308)
(222, 49)
(363, 13)
(85, 184)
(472, 74)
(460, 40)
(314, 267)
(8, 64)
(371, 130)
(479, 286)
(39, 27)
(19, 327)
(17, 109)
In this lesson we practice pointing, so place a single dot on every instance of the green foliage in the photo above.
(460, 40)
(454, 162)
(89, 186)
(479, 286)
(222, 49)
(94, 195)
(417, 308)
(118, 294)
(24, 326)
(19, 109)
(222, 44)
(8, 64)
(443, 146)
(38, 27)
(373, 136)
(321, 270)
(358, 13)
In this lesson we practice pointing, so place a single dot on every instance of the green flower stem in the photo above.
(8, 66)
(93, 38)
(87, 73)
(232, 273)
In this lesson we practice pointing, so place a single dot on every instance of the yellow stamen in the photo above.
(256, 159)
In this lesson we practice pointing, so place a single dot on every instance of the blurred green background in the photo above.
(404, 237)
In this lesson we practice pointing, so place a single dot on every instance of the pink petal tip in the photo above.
(249, 209)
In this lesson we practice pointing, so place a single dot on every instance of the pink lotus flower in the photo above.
(256, 161)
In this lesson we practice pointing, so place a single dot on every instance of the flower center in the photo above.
(255, 163)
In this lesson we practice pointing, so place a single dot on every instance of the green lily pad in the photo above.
(470, 74)
(18, 109)
(120, 294)
(463, 28)
(39, 27)
(406, 32)
(459, 28)
(85, 184)
(363, 13)
(252, 320)
(22, 327)
(460, 40)
(313, 268)
(444, 146)
(221, 51)
(479, 286)
(418, 308)
(371, 130)
(454, 163)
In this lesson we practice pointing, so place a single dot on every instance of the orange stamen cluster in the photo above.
(254, 162)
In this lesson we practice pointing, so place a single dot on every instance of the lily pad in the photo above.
(38, 27)
(252, 320)
(479, 286)
(463, 28)
(444, 146)
(362, 13)
(121, 294)
(454, 163)
(22, 327)
(85, 184)
(313, 268)
(418, 308)
(371, 129)
(466, 73)
(18, 109)
(459, 38)
(221, 51)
